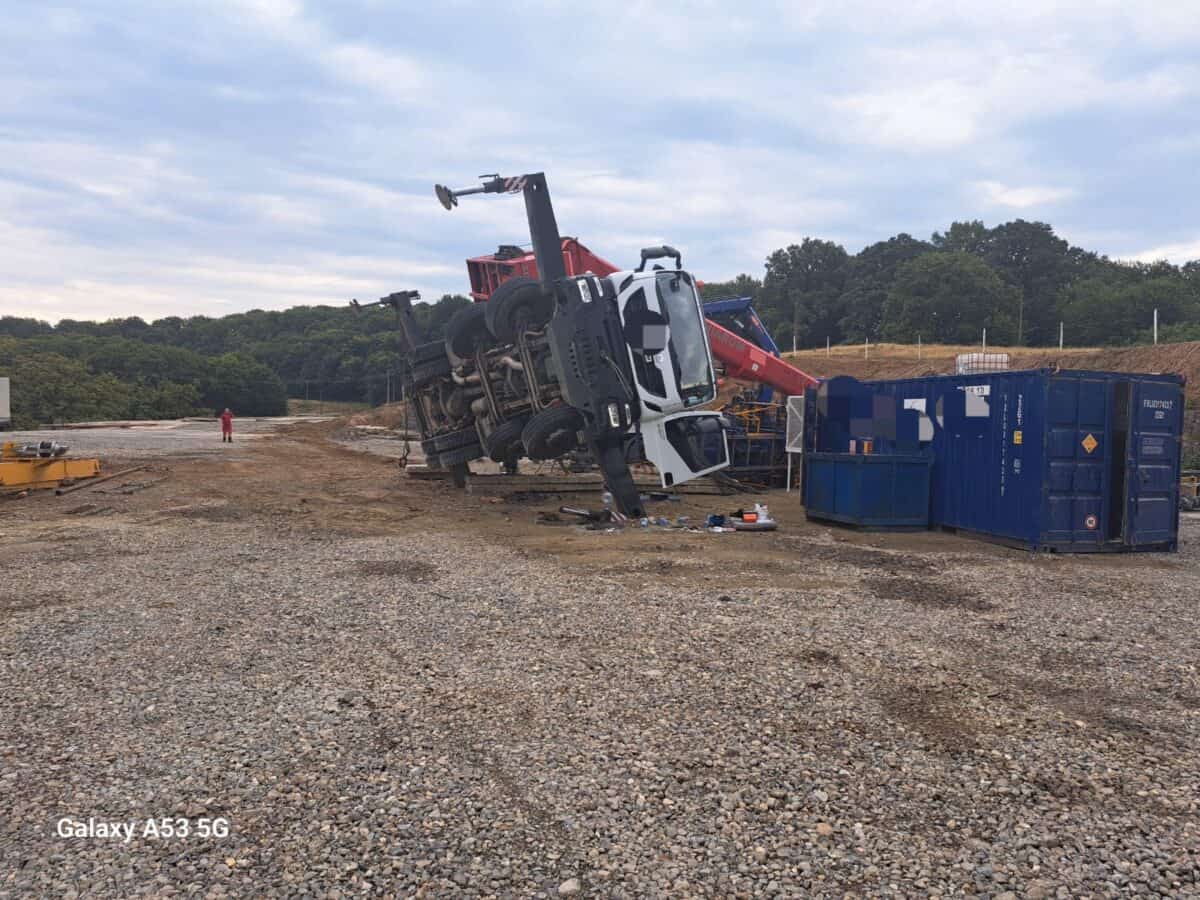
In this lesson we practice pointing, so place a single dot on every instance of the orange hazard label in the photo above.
(1090, 443)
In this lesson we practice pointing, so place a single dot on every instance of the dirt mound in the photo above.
(390, 415)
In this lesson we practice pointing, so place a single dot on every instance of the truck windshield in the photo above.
(689, 346)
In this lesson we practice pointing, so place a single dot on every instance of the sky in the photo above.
(209, 157)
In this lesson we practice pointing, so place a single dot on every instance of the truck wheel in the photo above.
(518, 303)
(466, 330)
(552, 432)
(500, 442)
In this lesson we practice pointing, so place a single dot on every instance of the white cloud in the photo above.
(994, 193)
(947, 94)
(291, 212)
(293, 146)
(390, 75)
(1178, 253)
(387, 73)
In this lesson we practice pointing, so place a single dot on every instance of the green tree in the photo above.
(1098, 311)
(1032, 258)
(802, 286)
(964, 237)
(872, 271)
(50, 387)
(14, 326)
(741, 286)
(950, 297)
(244, 385)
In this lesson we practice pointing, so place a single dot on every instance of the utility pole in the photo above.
(1156, 327)
(918, 345)
(827, 353)
(985, 340)
(1060, 335)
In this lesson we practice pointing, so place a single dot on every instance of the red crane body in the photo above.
(742, 358)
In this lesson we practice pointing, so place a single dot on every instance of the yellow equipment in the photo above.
(41, 465)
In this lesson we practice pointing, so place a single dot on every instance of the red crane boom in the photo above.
(742, 358)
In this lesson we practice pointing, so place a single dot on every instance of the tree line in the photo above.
(1019, 280)
(251, 362)
(70, 378)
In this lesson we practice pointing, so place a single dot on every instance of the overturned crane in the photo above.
(617, 363)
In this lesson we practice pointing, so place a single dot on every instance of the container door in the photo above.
(1152, 463)
(1077, 445)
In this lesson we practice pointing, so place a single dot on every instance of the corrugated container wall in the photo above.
(1052, 460)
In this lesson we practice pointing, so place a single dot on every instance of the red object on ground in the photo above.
(742, 358)
(227, 422)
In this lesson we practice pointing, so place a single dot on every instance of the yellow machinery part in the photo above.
(18, 474)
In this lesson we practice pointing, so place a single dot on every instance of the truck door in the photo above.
(685, 446)
(1152, 460)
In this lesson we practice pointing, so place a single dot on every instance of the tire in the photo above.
(500, 442)
(467, 329)
(518, 301)
(552, 432)
(464, 437)
(424, 373)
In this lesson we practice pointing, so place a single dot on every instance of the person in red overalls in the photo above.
(227, 426)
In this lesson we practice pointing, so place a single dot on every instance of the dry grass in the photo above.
(911, 351)
(903, 361)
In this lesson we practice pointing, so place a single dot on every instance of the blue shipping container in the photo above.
(869, 490)
(1051, 459)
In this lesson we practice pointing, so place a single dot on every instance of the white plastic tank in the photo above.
(978, 363)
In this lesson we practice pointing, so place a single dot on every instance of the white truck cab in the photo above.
(667, 341)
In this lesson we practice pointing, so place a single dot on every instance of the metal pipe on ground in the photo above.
(93, 483)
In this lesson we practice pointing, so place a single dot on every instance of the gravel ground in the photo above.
(427, 711)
